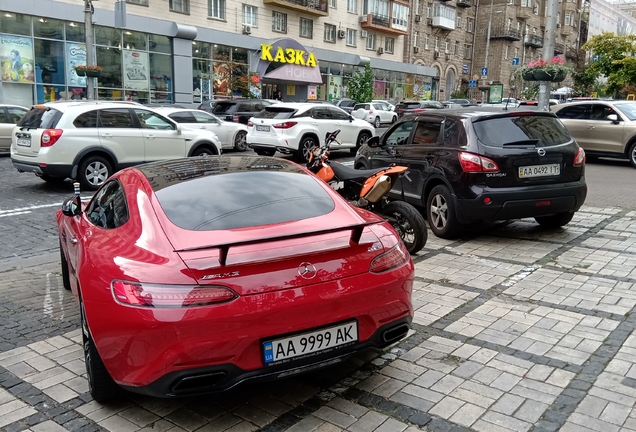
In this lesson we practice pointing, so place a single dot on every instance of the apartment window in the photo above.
(181, 6)
(525, 3)
(447, 46)
(416, 38)
(436, 44)
(333, 3)
(506, 52)
(468, 50)
(216, 9)
(400, 16)
(440, 10)
(389, 45)
(518, 25)
(509, 24)
(516, 52)
(470, 25)
(138, 2)
(511, 2)
(249, 15)
(429, 10)
(568, 18)
(558, 17)
(279, 22)
(351, 37)
(425, 41)
(306, 28)
(458, 21)
(456, 51)
(534, 31)
(536, 9)
(371, 41)
(352, 6)
(330, 33)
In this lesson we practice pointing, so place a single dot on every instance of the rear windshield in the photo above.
(409, 105)
(523, 129)
(243, 199)
(40, 118)
(274, 112)
(222, 107)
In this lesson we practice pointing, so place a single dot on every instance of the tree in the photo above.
(361, 85)
(611, 57)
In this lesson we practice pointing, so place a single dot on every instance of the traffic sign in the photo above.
(465, 68)
(515, 61)
(484, 77)
(472, 84)
(484, 71)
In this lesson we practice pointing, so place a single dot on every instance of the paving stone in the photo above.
(467, 414)
(336, 417)
(446, 407)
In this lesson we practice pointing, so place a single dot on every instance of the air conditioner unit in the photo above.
(448, 56)
(247, 30)
(418, 18)
(363, 33)
(341, 34)
(436, 54)
(380, 50)
(429, 21)
(416, 49)
(362, 19)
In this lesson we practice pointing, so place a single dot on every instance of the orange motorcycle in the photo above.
(368, 189)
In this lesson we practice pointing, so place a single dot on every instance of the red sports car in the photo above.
(198, 274)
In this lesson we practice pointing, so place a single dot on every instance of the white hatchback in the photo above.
(90, 140)
(295, 128)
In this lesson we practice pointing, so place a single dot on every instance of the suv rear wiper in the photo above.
(533, 141)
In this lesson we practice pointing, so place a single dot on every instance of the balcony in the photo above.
(533, 41)
(380, 23)
(464, 3)
(310, 7)
(508, 34)
(566, 30)
(559, 48)
(442, 22)
(524, 12)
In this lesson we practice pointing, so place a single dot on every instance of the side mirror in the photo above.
(350, 118)
(179, 130)
(72, 206)
(373, 142)
(613, 118)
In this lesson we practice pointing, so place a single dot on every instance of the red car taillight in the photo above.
(169, 296)
(579, 159)
(285, 125)
(394, 257)
(50, 137)
(474, 163)
(417, 110)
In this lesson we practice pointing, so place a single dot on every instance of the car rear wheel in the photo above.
(632, 154)
(440, 212)
(394, 119)
(305, 147)
(408, 223)
(363, 137)
(240, 143)
(66, 280)
(265, 152)
(377, 122)
(94, 171)
(204, 151)
(100, 384)
(555, 221)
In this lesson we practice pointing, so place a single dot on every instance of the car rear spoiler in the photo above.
(356, 235)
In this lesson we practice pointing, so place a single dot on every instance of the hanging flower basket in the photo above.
(527, 75)
(541, 70)
(89, 71)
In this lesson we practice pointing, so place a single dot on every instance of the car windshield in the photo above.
(433, 104)
(276, 113)
(540, 130)
(243, 199)
(40, 117)
(629, 109)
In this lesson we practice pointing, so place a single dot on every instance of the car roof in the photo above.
(170, 110)
(294, 105)
(64, 106)
(475, 113)
(12, 106)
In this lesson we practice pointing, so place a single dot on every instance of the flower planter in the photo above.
(88, 73)
(560, 76)
(542, 75)
(527, 75)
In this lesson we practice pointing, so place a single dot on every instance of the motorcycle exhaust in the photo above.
(379, 189)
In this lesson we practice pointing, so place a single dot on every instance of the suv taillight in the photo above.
(285, 125)
(474, 163)
(579, 159)
(50, 137)
(250, 124)
(169, 296)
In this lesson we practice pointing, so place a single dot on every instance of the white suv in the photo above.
(90, 140)
(375, 113)
(297, 127)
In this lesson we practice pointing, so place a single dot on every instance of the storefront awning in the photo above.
(292, 72)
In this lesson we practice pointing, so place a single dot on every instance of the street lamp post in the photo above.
(548, 52)
(483, 92)
(88, 27)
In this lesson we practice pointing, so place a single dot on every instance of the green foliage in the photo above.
(531, 91)
(614, 59)
(458, 94)
(361, 85)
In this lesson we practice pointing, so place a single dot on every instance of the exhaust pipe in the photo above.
(395, 333)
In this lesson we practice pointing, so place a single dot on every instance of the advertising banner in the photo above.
(75, 56)
(379, 89)
(495, 94)
(312, 92)
(136, 70)
(16, 59)
(335, 87)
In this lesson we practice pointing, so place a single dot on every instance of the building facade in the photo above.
(186, 52)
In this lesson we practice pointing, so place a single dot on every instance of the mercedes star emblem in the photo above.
(541, 151)
(307, 270)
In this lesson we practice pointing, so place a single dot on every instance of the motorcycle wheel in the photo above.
(408, 223)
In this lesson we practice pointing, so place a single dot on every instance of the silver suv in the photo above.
(89, 141)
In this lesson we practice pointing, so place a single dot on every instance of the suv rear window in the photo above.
(243, 199)
(523, 129)
(409, 105)
(41, 118)
(274, 112)
(223, 107)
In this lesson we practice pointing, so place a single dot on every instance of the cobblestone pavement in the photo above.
(518, 329)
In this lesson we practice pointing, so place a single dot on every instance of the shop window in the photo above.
(110, 60)
(49, 61)
(240, 55)
(49, 93)
(75, 32)
(135, 40)
(221, 52)
(17, 24)
(107, 36)
(330, 33)
(306, 28)
(160, 76)
(216, 9)
(389, 45)
(160, 44)
(371, 41)
(48, 28)
(201, 50)
(279, 22)
(181, 6)
(351, 37)
(250, 13)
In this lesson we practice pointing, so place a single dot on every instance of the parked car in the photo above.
(451, 105)
(213, 272)
(409, 107)
(602, 128)
(9, 116)
(483, 164)
(239, 111)
(463, 102)
(232, 135)
(345, 104)
(387, 105)
(374, 113)
(207, 105)
(294, 128)
(163, 104)
(89, 141)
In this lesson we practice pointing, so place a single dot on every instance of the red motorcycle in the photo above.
(368, 189)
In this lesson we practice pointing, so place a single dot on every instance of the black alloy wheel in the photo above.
(408, 223)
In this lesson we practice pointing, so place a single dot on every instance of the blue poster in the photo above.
(75, 56)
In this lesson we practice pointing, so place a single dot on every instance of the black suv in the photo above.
(483, 164)
(239, 111)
